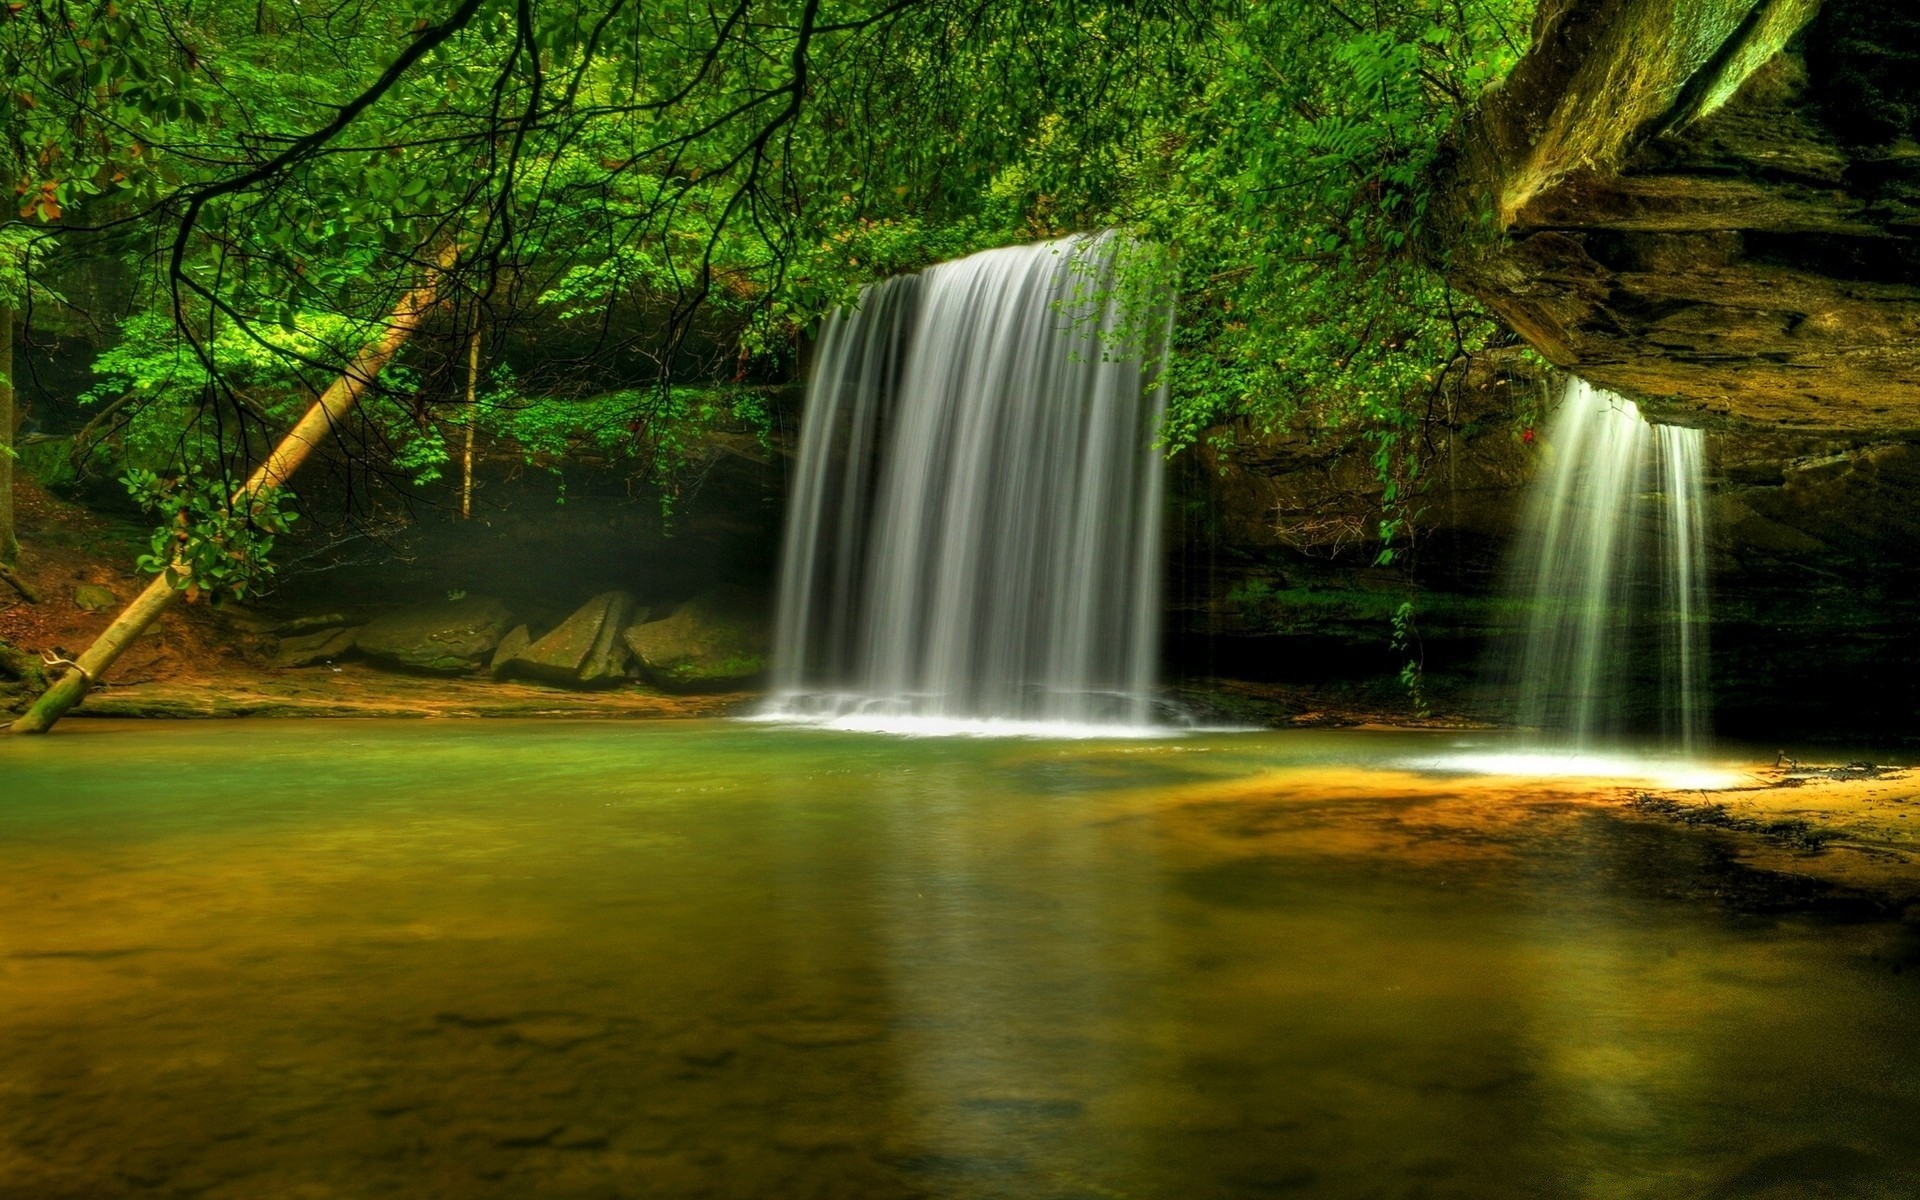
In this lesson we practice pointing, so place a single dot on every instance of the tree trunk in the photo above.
(9, 541)
(466, 458)
(293, 449)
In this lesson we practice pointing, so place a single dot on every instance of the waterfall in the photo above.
(974, 533)
(1609, 569)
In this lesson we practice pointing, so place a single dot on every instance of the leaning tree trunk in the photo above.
(293, 449)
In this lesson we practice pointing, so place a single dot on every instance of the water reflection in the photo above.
(706, 960)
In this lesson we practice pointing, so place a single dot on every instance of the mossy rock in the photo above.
(20, 671)
(714, 642)
(448, 637)
(585, 650)
(91, 597)
(510, 647)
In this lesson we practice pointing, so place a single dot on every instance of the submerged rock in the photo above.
(322, 645)
(450, 636)
(584, 650)
(714, 641)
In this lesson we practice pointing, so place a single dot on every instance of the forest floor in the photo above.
(202, 661)
(357, 690)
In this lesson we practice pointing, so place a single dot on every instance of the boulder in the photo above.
(17, 666)
(715, 641)
(322, 645)
(450, 636)
(91, 597)
(584, 650)
(517, 640)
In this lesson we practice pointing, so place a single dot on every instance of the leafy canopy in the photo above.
(671, 193)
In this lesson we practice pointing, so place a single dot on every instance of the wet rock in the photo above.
(322, 645)
(91, 597)
(715, 641)
(1748, 530)
(451, 636)
(585, 650)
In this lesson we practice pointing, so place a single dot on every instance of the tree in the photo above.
(689, 185)
(183, 563)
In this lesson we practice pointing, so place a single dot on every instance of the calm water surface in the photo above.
(701, 959)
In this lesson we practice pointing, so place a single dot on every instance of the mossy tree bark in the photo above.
(333, 405)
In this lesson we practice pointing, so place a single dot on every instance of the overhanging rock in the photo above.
(1710, 205)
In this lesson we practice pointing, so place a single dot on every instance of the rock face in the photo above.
(451, 636)
(585, 650)
(715, 641)
(1811, 548)
(1712, 206)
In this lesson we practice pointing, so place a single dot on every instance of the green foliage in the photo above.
(204, 544)
(1256, 602)
(261, 377)
(92, 91)
(682, 196)
(1406, 640)
(663, 431)
(22, 251)
(1299, 203)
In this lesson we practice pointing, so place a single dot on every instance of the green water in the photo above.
(698, 959)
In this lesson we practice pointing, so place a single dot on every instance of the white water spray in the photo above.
(974, 538)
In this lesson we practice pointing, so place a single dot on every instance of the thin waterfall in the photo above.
(1683, 482)
(975, 523)
(1609, 569)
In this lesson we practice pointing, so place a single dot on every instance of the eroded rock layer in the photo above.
(1710, 205)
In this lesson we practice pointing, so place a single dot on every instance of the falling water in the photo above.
(1609, 566)
(1683, 476)
(974, 531)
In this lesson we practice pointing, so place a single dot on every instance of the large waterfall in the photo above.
(974, 534)
(1609, 570)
